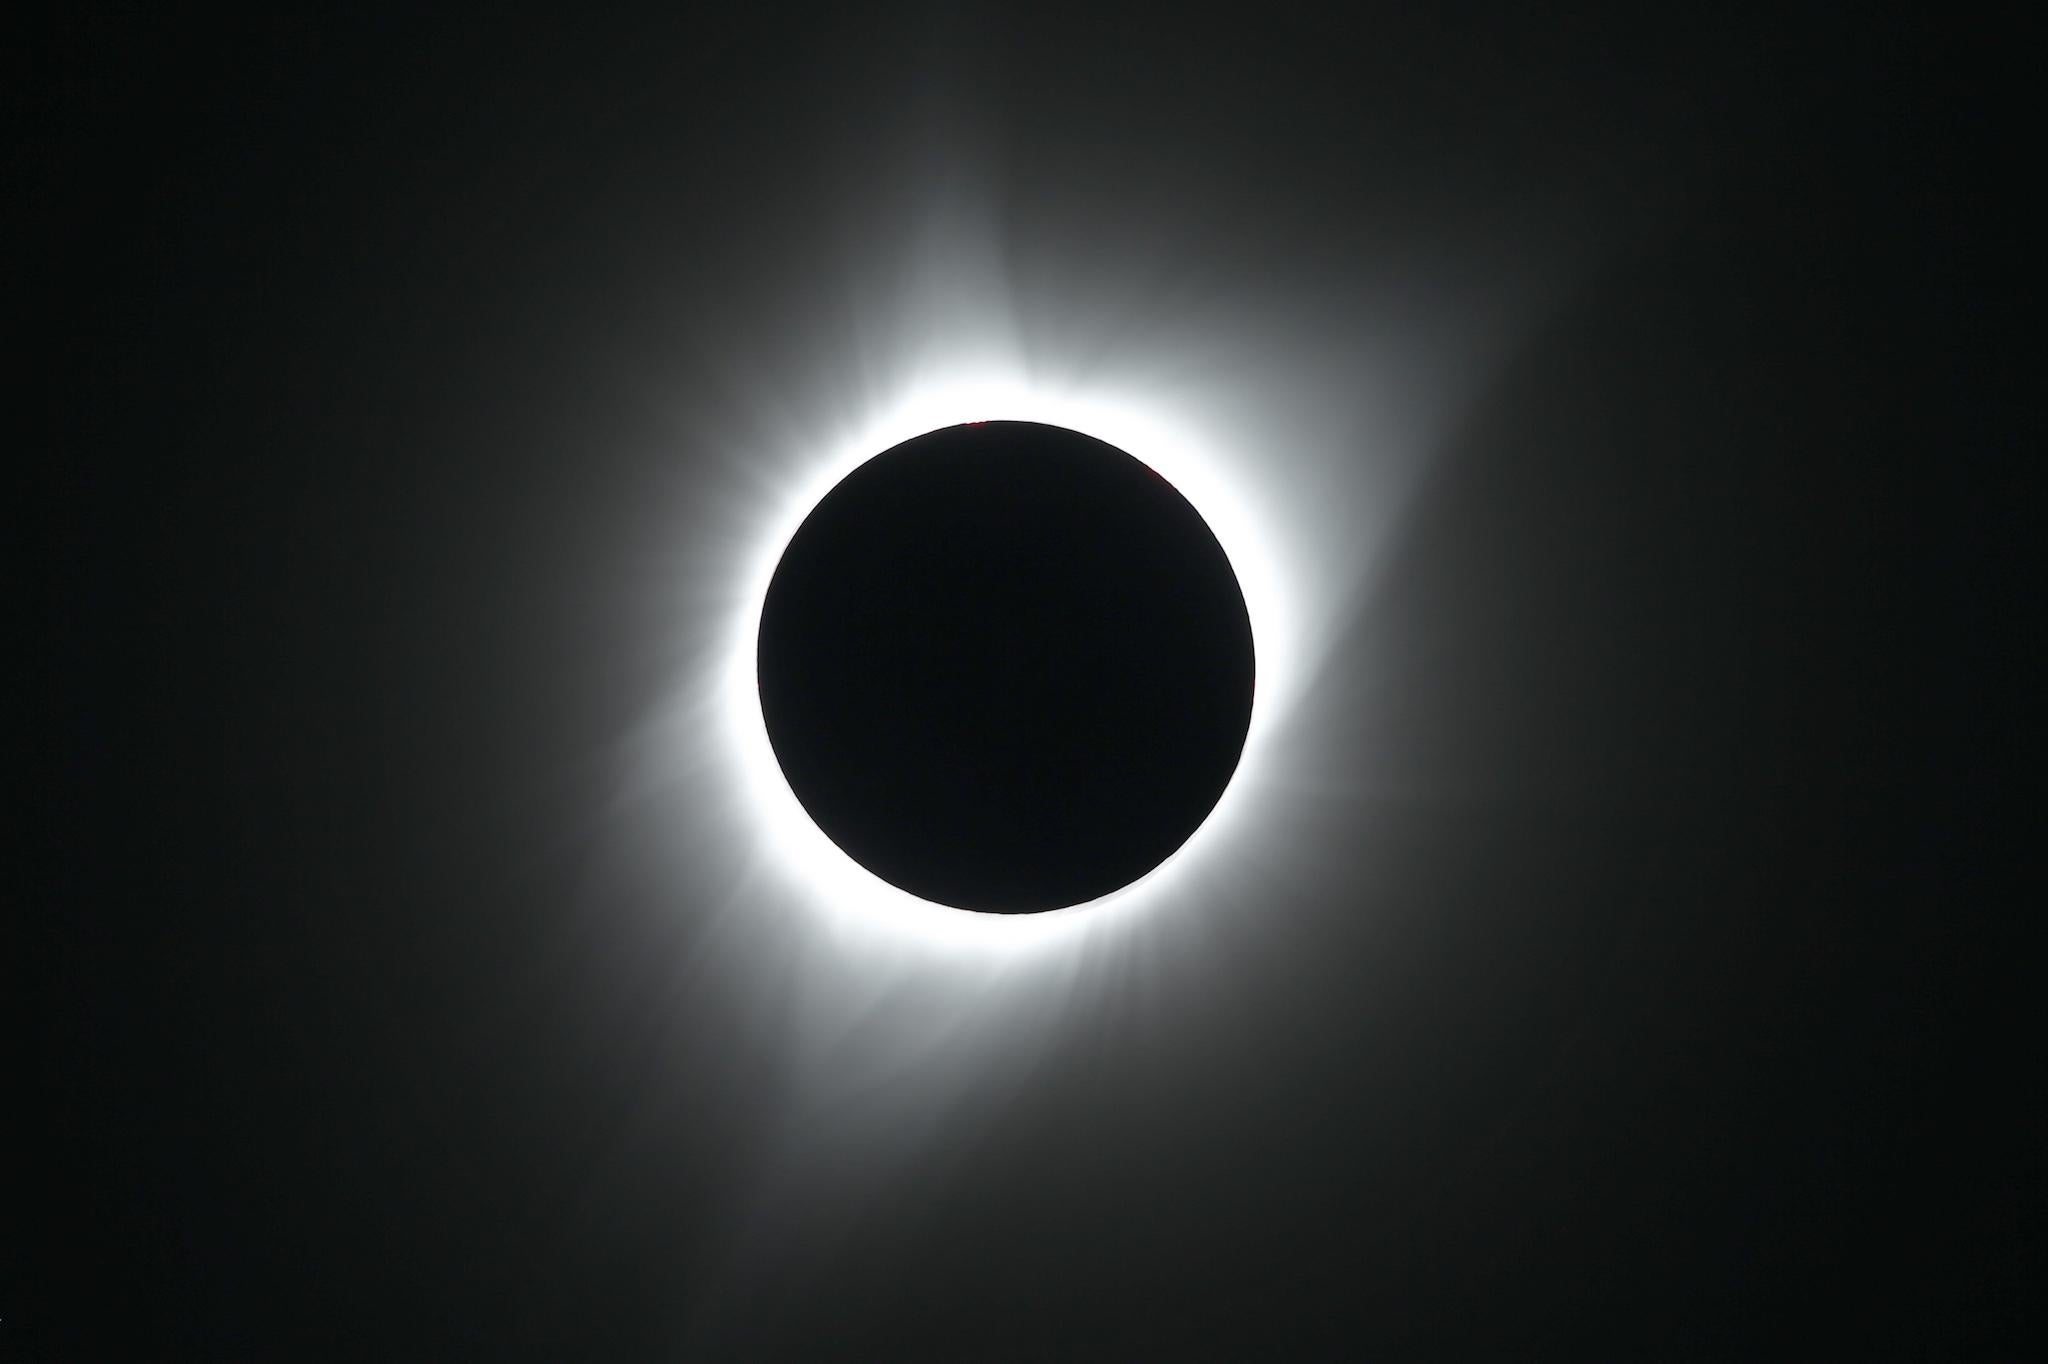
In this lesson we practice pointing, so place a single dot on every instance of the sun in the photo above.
(822, 877)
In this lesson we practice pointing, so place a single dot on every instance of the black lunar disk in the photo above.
(1006, 667)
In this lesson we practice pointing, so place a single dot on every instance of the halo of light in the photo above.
(845, 895)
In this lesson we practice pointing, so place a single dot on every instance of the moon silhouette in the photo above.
(1006, 667)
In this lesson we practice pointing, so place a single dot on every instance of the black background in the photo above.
(1638, 980)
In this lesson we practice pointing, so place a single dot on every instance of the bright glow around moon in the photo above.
(1298, 422)
(832, 881)
(1296, 425)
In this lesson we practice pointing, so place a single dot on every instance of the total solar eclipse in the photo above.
(1006, 667)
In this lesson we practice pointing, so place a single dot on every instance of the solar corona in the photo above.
(1005, 667)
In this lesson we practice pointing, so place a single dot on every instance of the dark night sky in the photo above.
(1628, 973)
